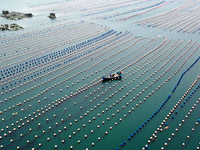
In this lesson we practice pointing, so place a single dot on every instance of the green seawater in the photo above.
(107, 120)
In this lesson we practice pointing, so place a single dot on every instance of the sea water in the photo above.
(83, 112)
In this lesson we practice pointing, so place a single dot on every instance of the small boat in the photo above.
(116, 76)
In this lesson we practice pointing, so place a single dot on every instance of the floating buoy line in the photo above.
(149, 7)
(167, 118)
(177, 19)
(92, 7)
(164, 123)
(55, 98)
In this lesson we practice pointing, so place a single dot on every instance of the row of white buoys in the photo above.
(49, 108)
(180, 125)
(33, 67)
(179, 58)
(55, 85)
(84, 27)
(89, 9)
(161, 128)
(148, 7)
(127, 95)
(32, 119)
(187, 19)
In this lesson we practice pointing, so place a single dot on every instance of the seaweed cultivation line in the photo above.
(129, 80)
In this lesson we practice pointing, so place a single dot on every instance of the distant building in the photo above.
(29, 15)
(1, 28)
(5, 12)
(52, 15)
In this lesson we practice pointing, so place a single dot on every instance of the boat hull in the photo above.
(112, 78)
